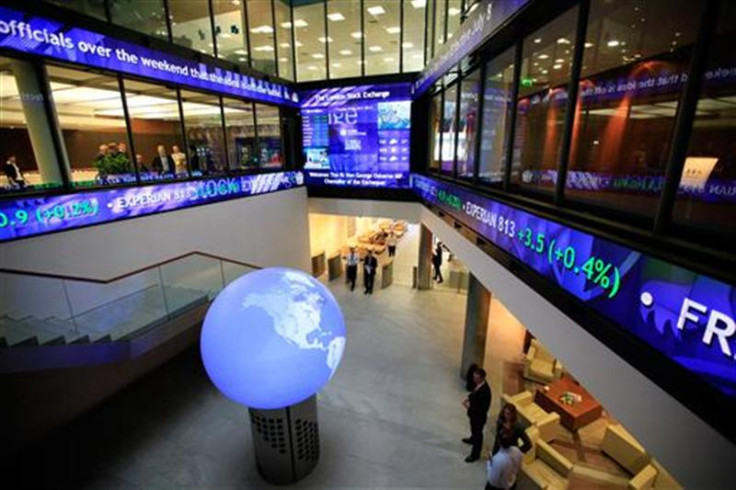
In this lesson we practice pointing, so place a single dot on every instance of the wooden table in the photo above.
(573, 416)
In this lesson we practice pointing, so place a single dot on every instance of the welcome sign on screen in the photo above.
(357, 136)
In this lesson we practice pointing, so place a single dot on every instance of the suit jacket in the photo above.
(480, 402)
(158, 165)
(372, 262)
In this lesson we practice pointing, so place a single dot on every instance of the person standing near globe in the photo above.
(352, 267)
(370, 264)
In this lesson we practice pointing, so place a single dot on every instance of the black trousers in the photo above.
(476, 435)
(391, 250)
(438, 272)
(369, 278)
(352, 272)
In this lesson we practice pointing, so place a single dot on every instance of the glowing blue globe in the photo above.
(272, 338)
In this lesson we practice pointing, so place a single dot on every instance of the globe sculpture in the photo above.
(270, 341)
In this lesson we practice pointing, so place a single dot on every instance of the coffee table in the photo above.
(573, 416)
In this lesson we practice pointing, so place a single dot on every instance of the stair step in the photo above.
(84, 339)
(29, 342)
(60, 340)
(104, 339)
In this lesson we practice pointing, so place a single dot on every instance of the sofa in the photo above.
(626, 451)
(532, 415)
(543, 467)
(540, 365)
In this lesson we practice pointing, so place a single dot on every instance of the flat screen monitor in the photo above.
(357, 136)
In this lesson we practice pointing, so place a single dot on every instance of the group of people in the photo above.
(370, 265)
(504, 461)
(113, 159)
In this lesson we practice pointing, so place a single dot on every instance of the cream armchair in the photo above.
(539, 364)
(532, 414)
(543, 467)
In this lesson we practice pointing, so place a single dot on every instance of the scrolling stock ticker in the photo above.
(687, 316)
(38, 215)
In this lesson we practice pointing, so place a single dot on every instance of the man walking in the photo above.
(477, 404)
(370, 264)
(352, 267)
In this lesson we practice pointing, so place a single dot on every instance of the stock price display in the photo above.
(685, 315)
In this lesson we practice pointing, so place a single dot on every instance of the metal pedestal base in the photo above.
(286, 441)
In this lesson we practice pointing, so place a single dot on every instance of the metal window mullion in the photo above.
(255, 136)
(514, 109)
(128, 127)
(223, 121)
(183, 131)
(479, 122)
(434, 28)
(401, 36)
(327, 41)
(246, 21)
(362, 38)
(441, 132)
(458, 96)
(293, 42)
(167, 20)
(426, 34)
(447, 21)
(212, 27)
(685, 116)
(108, 11)
(275, 37)
(572, 99)
(51, 117)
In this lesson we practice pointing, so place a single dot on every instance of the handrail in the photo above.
(50, 275)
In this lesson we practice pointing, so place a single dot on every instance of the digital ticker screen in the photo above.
(357, 136)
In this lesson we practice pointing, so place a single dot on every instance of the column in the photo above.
(476, 325)
(39, 129)
(424, 269)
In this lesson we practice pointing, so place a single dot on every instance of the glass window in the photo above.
(28, 156)
(241, 134)
(270, 146)
(90, 113)
(629, 92)
(435, 136)
(146, 16)
(545, 73)
(232, 39)
(343, 24)
(382, 34)
(439, 24)
(94, 8)
(448, 130)
(283, 38)
(708, 182)
(260, 21)
(413, 45)
(160, 152)
(191, 26)
(454, 9)
(467, 124)
(496, 111)
(204, 135)
(431, 6)
(310, 40)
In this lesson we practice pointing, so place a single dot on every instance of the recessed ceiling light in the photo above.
(298, 44)
(377, 10)
(264, 29)
(325, 39)
(336, 17)
(345, 52)
(559, 60)
(543, 56)
(336, 65)
(310, 67)
(538, 40)
(393, 30)
(563, 40)
(283, 60)
(418, 4)
(263, 48)
(318, 56)
(241, 52)
(557, 67)
(588, 45)
(242, 59)
(356, 35)
(297, 23)
(452, 11)
(544, 72)
(388, 60)
(375, 49)
(407, 45)
(284, 45)
(613, 43)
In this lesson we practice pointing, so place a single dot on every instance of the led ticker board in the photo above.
(357, 136)
(687, 316)
(31, 216)
(36, 35)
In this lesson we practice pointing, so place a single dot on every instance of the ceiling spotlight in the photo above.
(356, 35)
(377, 10)
(407, 45)
(543, 56)
(393, 30)
(318, 56)
(375, 49)
(336, 17)
(613, 43)
(325, 39)
(418, 4)
(563, 40)
(537, 40)
(345, 52)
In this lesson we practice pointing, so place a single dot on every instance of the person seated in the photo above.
(13, 173)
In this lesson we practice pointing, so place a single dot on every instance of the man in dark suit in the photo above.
(477, 404)
(370, 264)
(163, 163)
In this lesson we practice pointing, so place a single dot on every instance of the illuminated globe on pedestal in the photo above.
(272, 338)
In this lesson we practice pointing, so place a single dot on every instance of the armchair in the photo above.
(543, 467)
(540, 365)
(532, 415)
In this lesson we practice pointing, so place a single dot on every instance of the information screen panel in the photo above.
(357, 136)
(687, 316)
(38, 215)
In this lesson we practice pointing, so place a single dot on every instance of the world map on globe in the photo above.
(272, 338)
